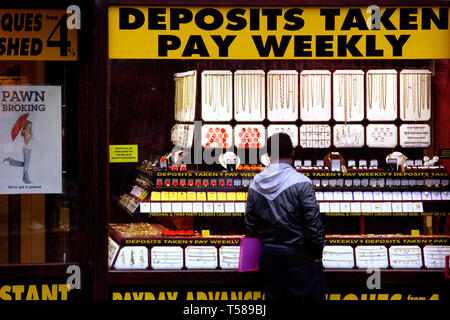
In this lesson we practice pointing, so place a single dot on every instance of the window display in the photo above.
(355, 122)
(180, 198)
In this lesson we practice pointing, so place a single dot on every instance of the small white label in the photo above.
(358, 196)
(208, 207)
(387, 196)
(240, 207)
(407, 195)
(219, 207)
(187, 207)
(397, 207)
(355, 207)
(328, 196)
(366, 206)
(324, 207)
(229, 207)
(386, 207)
(368, 195)
(348, 195)
(418, 207)
(156, 207)
(335, 207)
(166, 207)
(397, 196)
(177, 207)
(145, 207)
(197, 207)
(338, 196)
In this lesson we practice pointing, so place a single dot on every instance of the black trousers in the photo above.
(290, 274)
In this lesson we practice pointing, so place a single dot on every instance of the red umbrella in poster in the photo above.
(18, 125)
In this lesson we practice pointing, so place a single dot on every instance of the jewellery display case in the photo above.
(195, 213)
(376, 215)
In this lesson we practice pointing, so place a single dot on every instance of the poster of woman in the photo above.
(30, 139)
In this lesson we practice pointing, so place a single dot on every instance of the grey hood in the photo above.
(276, 178)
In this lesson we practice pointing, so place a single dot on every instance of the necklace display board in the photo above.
(348, 95)
(315, 95)
(217, 95)
(217, 136)
(315, 136)
(182, 135)
(282, 95)
(185, 91)
(415, 135)
(291, 130)
(348, 136)
(415, 95)
(381, 135)
(249, 136)
(381, 95)
(249, 95)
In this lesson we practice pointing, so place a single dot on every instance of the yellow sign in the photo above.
(212, 196)
(279, 33)
(231, 196)
(192, 196)
(221, 196)
(165, 196)
(156, 196)
(173, 196)
(201, 196)
(241, 196)
(205, 233)
(182, 196)
(37, 35)
(123, 153)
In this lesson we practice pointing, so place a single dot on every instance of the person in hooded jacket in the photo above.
(282, 211)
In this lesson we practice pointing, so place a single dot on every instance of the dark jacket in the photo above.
(282, 209)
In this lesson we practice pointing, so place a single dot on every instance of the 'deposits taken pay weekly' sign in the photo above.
(278, 32)
(30, 139)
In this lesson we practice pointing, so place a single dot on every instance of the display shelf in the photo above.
(334, 277)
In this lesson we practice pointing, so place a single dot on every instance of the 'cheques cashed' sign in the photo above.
(30, 139)
(278, 33)
(36, 35)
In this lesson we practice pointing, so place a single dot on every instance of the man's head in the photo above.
(279, 147)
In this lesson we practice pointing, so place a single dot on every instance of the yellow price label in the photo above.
(205, 233)
(221, 196)
(415, 232)
(156, 196)
(231, 196)
(173, 196)
(191, 196)
(212, 196)
(165, 196)
(201, 196)
(182, 196)
(241, 196)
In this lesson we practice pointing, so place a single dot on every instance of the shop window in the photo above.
(38, 197)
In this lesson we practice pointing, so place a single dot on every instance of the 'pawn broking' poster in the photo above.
(30, 139)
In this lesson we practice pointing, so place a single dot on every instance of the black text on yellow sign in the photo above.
(36, 35)
(278, 33)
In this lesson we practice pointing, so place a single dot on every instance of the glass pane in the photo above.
(38, 187)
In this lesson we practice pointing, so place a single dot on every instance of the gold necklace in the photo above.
(345, 102)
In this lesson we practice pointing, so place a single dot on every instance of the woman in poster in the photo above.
(27, 135)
